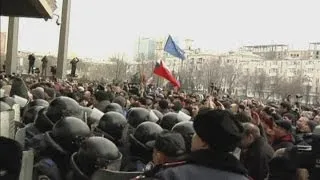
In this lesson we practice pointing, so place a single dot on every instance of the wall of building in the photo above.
(3, 43)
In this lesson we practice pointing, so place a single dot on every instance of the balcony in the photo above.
(28, 8)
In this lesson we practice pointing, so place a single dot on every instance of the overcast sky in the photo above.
(103, 27)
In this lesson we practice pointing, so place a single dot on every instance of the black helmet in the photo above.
(42, 122)
(38, 102)
(120, 100)
(95, 153)
(102, 106)
(31, 114)
(171, 118)
(158, 114)
(112, 124)
(62, 107)
(185, 128)
(139, 115)
(145, 133)
(69, 132)
(114, 107)
(4, 106)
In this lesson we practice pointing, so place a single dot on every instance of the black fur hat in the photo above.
(10, 158)
(219, 128)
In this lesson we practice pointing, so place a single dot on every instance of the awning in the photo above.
(28, 8)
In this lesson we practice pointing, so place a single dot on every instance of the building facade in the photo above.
(3, 43)
(145, 49)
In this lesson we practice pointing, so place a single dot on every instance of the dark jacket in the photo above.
(205, 164)
(31, 59)
(283, 142)
(46, 148)
(256, 158)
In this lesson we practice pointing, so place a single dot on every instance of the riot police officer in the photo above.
(141, 151)
(139, 115)
(94, 153)
(185, 128)
(59, 144)
(170, 119)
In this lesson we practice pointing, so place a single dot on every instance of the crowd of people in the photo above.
(78, 129)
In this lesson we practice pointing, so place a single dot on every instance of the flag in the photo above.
(162, 71)
(172, 48)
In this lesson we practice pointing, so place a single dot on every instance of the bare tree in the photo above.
(244, 81)
(213, 73)
(260, 79)
(276, 86)
(120, 66)
(230, 76)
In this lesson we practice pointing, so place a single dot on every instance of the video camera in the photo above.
(308, 156)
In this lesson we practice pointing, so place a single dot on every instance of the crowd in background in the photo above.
(76, 128)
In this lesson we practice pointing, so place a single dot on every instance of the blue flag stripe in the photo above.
(172, 48)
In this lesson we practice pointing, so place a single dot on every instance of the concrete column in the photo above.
(12, 45)
(63, 39)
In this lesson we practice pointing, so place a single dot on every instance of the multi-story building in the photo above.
(272, 51)
(298, 54)
(145, 49)
(314, 49)
(308, 69)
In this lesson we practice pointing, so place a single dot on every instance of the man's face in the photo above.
(246, 141)
(87, 95)
(195, 110)
(302, 125)
(285, 118)
(317, 119)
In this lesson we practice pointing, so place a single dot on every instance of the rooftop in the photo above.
(266, 45)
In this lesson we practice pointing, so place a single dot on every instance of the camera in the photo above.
(307, 156)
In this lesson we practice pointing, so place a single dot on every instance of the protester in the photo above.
(32, 60)
(256, 152)
(133, 119)
(44, 66)
(74, 63)
(283, 135)
(210, 157)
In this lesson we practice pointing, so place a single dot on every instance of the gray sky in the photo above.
(101, 28)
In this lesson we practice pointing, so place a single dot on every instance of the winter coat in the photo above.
(283, 142)
(203, 165)
(256, 158)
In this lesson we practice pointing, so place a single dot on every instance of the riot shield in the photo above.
(104, 174)
(7, 126)
(27, 165)
(20, 136)
(16, 109)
